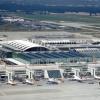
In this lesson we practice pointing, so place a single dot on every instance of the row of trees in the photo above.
(55, 9)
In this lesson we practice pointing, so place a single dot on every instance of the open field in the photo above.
(62, 17)
(73, 23)
(83, 24)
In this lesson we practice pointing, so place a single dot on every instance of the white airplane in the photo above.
(53, 81)
(96, 77)
(11, 82)
(76, 78)
(29, 81)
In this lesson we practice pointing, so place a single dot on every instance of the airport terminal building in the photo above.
(33, 53)
(46, 57)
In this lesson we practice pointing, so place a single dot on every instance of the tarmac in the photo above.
(24, 35)
(69, 90)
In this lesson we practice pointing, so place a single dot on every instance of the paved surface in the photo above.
(68, 90)
(22, 35)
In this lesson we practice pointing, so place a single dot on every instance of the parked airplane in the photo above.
(76, 78)
(96, 77)
(28, 81)
(53, 81)
(94, 74)
(11, 82)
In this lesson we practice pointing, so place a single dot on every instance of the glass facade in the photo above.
(49, 57)
(54, 73)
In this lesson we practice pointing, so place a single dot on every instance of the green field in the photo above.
(62, 17)
(94, 21)
(91, 24)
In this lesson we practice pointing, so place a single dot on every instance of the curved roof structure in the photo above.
(23, 45)
(55, 41)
